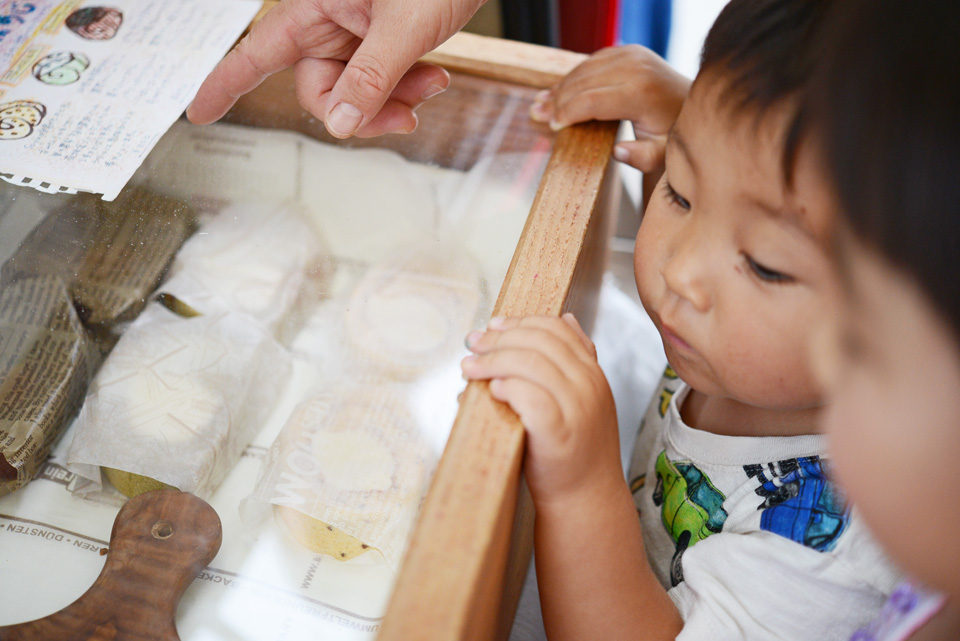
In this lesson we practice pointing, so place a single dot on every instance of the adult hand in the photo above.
(353, 61)
(629, 82)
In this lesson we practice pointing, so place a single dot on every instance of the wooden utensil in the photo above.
(159, 543)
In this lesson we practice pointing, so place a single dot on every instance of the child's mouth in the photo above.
(669, 336)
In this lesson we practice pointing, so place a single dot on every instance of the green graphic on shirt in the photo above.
(690, 506)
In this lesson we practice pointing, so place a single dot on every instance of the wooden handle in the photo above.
(160, 542)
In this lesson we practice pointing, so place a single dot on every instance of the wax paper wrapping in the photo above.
(111, 255)
(179, 398)
(400, 318)
(353, 457)
(263, 259)
(46, 361)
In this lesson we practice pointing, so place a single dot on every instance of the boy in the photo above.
(741, 534)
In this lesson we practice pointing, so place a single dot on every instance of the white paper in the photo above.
(80, 110)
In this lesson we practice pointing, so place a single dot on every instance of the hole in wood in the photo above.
(162, 530)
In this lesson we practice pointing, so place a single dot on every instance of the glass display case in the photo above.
(266, 307)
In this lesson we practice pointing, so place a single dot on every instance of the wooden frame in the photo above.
(470, 550)
(472, 544)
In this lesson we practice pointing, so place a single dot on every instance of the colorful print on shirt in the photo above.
(691, 507)
(800, 502)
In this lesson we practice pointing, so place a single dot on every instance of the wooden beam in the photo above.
(452, 579)
(507, 60)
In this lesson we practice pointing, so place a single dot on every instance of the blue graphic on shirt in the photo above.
(800, 502)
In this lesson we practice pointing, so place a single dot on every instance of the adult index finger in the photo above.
(270, 46)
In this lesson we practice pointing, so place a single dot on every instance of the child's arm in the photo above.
(594, 578)
(620, 83)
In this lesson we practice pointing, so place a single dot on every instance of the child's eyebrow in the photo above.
(675, 139)
(796, 219)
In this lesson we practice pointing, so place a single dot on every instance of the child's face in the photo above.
(728, 264)
(891, 366)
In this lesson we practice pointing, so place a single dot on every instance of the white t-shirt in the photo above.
(749, 535)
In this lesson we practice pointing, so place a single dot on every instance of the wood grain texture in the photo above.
(159, 543)
(507, 60)
(466, 560)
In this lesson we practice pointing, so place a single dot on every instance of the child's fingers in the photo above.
(646, 153)
(598, 103)
(564, 342)
(572, 322)
(542, 109)
(522, 363)
(534, 404)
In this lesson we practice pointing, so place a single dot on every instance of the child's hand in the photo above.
(620, 83)
(546, 369)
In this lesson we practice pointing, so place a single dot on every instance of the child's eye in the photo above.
(766, 274)
(674, 198)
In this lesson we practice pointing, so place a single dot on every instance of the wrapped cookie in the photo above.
(412, 310)
(179, 398)
(347, 473)
(264, 260)
(111, 255)
(46, 361)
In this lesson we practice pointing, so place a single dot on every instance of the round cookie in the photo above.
(360, 465)
(130, 484)
(319, 537)
(411, 311)
(19, 118)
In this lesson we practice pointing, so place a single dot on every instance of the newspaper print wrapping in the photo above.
(184, 392)
(46, 361)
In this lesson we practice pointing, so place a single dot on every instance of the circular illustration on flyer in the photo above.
(19, 118)
(60, 67)
(95, 23)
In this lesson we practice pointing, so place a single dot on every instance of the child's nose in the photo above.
(686, 272)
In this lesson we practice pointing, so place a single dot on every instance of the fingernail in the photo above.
(556, 125)
(472, 338)
(543, 96)
(621, 153)
(344, 120)
(432, 91)
(495, 322)
(539, 112)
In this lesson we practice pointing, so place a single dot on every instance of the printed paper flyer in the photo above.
(88, 87)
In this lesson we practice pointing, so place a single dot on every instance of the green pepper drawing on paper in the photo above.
(60, 67)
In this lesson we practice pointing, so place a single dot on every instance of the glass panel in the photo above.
(268, 318)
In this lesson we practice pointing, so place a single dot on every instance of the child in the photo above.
(741, 534)
(885, 157)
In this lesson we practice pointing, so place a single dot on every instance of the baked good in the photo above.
(413, 310)
(348, 471)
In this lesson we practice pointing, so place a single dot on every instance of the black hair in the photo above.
(763, 47)
(885, 107)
